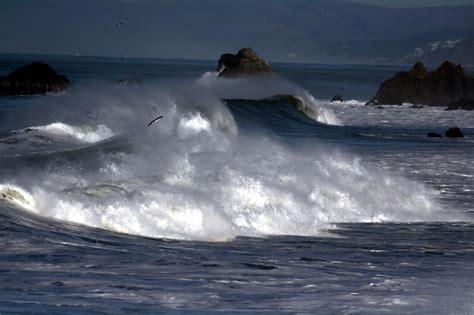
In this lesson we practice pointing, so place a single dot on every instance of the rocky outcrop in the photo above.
(447, 84)
(462, 104)
(337, 98)
(454, 133)
(33, 79)
(245, 62)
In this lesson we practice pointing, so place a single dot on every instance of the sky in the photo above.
(202, 29)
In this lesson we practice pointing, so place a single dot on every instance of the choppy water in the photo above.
(235, 205)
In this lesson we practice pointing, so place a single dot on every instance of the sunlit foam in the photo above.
(82, 133)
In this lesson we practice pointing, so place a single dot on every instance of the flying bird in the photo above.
(119, 24)
(151, 122)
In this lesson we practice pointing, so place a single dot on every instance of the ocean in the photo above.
(235, 200)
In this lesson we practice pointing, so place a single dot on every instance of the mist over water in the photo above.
(194, 174)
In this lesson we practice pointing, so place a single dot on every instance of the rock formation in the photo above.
(33, 79)
(246, 62)
(447, 84)
(337, 98)
(462, 104)
(454, 133)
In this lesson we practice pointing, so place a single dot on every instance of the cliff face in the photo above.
(33, 79)
(447, 84)
(245, 62)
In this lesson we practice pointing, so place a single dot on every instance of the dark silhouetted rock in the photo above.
(33, 79)
(245, 63)
(434, 135)
(462, 104)
(454, 133)
(337, 98)
(447, 84)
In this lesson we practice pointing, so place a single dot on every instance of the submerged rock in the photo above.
(462, 104)
(33, 79)
(337, 98)
(245, 62)
(434, 135)
(447, 84)
(454, 133)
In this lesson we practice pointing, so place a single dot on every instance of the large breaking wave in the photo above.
(193, 174)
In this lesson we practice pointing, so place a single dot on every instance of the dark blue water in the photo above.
(242, 206)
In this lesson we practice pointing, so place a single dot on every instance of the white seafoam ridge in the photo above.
(82, 133)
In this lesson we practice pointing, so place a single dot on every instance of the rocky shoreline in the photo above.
(448, 86)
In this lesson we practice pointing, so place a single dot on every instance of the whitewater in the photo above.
(239, 198)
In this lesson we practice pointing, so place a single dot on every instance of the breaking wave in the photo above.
(195, 175)
(82, 133)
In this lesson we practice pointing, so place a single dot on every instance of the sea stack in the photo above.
(448, 84)
(36, 78)
(246, 62)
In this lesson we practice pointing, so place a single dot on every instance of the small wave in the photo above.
(316, 110)
(82, 133)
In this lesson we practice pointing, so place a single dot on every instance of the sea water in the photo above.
(230, 203)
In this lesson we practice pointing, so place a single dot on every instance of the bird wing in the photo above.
(151, 122)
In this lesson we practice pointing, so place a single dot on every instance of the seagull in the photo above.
(119, 24)
(151, 122)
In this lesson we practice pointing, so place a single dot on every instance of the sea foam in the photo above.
(194, 176)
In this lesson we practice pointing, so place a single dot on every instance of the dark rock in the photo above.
(449, 83)
(129, 81)
(246, 62)
(57, 283)
(33, 79)
(462, 104)
(373, 101)
(434, 135)
(454, 133)
(337, 98)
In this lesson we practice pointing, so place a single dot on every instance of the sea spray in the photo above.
(194, 176)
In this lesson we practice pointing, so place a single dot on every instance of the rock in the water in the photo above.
(373, 101)
(129, 81)
(33, 79)
(462, 104)
(434, 135)
(246, 62)
(447, 84)
(454, 133)
(337, 98)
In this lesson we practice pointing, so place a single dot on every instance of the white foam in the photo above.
(82, 133)
(192, 176)
(17, 196)
(247, 191)
(317, 110)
